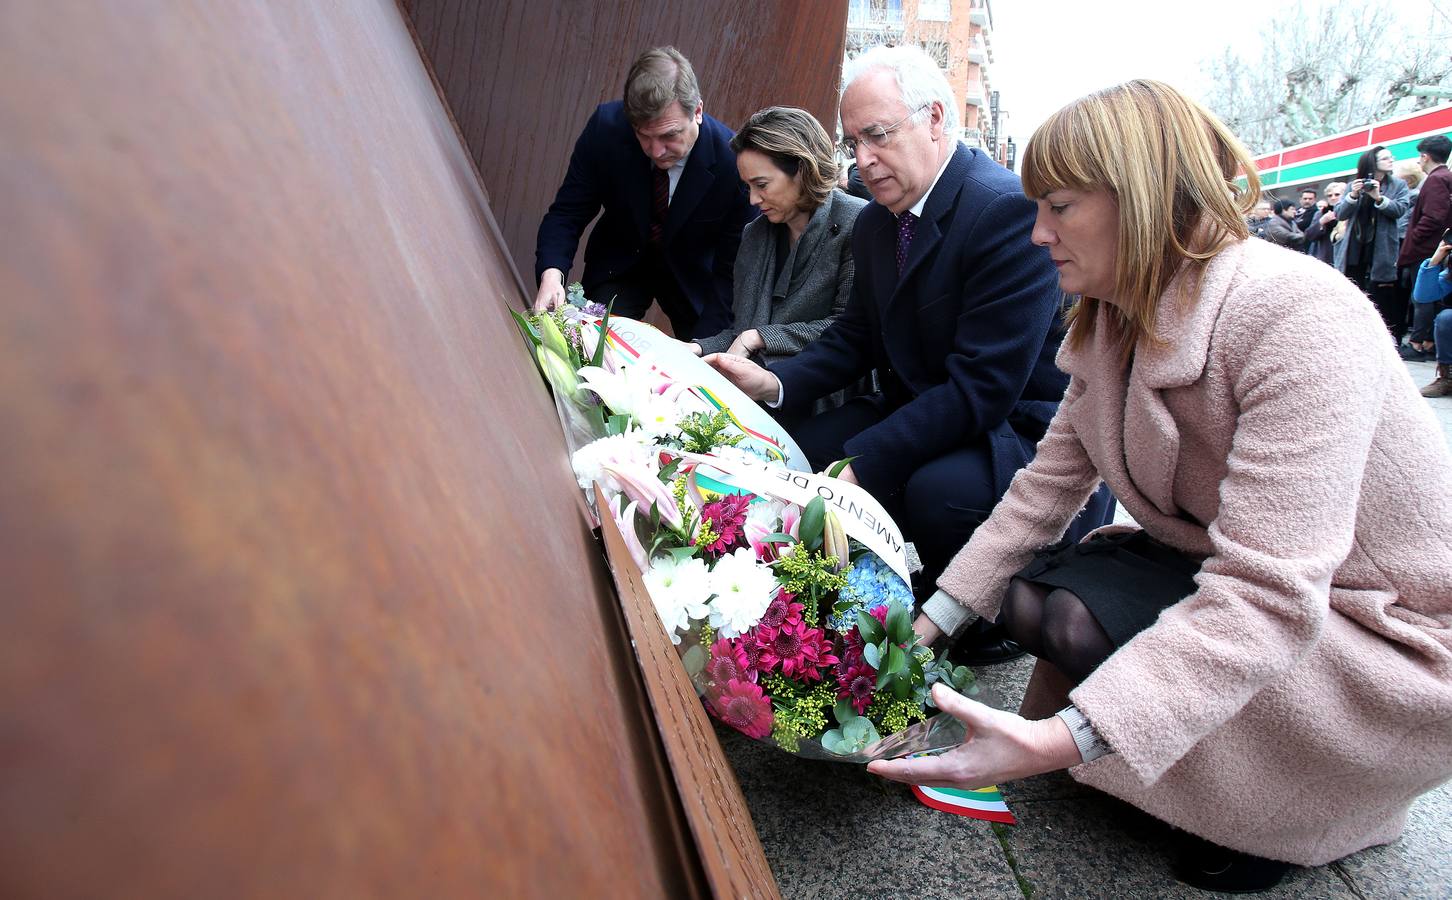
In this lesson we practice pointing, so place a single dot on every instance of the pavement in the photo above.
(831, 830)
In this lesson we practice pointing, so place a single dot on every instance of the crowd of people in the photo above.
(1387, 230)
(1009, 357)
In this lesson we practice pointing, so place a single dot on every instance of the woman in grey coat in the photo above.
(1373, 203)
(794, 268)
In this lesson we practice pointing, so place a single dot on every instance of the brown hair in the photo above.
(798, 144)
(1171, 166)
(659, 77)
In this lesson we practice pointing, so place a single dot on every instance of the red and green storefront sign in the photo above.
(1335, 157)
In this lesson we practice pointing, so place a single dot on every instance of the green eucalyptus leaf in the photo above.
(873, 655)
(833, 742)
(843, 712)
(681, 554)
(695, 660)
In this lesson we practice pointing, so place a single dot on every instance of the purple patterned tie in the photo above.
(907, 223)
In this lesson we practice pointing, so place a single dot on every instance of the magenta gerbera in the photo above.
(727, 517)
(796, 649)
(856, 681)
(782, 611)
(729, 662)
(745, 707)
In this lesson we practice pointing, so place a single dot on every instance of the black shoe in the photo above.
(1411, 354)
(1211, 867)
(984, 644)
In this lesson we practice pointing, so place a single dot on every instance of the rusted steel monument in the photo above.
(296, 597)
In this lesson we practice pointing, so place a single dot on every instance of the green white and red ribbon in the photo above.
(984, 803)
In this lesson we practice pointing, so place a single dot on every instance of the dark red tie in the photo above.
(660, 203)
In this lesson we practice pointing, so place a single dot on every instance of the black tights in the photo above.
(1055, 625)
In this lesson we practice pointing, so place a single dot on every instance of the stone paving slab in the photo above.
(831, 830)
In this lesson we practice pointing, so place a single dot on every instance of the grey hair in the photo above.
(919, 80)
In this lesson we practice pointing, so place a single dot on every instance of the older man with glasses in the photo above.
(953, 306)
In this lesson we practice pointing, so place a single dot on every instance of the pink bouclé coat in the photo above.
(1301, 698)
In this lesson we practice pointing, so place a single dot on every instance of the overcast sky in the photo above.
(1048, 52)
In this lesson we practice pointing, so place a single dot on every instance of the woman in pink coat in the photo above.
(1268, 664)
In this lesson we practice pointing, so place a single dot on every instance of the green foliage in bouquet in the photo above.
(798, 709)
(889, 651)
(812, 576)
(854, 734)
(703, 432)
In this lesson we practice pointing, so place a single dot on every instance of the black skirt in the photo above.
(1124, 579)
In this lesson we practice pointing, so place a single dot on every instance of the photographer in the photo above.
(1374, 202)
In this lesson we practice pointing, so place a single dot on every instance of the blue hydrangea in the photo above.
(870, 583)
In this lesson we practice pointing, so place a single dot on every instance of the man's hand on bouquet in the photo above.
(927, 630)
(753, 380)
(1000, 746)
(746, 343)
(551, 290)
(694, 348)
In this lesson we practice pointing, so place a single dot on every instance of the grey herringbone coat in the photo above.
(791, 311)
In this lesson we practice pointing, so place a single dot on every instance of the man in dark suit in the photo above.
(954, 307)
(664, 173)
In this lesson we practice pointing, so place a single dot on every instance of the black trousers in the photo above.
(1390, 300)
(945, 500)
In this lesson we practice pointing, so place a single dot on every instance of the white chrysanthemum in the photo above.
(655, 413)
(629, 449)
(744, 589)
(679, 590)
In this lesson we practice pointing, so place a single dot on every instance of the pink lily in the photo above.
(642, 486)
(626, 522)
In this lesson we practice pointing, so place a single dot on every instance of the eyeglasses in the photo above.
(876, 138)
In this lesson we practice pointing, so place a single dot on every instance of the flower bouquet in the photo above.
(785, 592)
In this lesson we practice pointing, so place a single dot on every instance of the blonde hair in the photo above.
(1410, 171)
(797, 144)
(1171, 166)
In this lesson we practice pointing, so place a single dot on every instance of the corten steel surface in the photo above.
(295, 596)
(523, 76)
(728, 844)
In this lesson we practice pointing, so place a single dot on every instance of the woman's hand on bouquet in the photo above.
(927, 630)
(753, 380)
(1000, 746)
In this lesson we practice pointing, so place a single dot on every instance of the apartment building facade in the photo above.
(958, 34)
